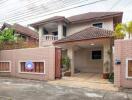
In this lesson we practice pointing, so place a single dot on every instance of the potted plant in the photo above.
(66, 66)
(106, 73)
(111, 77)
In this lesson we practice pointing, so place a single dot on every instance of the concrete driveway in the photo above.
(22, 89)
(87, 80)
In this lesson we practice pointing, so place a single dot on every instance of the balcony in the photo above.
(48, 40)
(50, 37)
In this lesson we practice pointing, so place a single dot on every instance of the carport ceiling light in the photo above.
(92, 44)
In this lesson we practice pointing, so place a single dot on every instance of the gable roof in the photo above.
(90, 16)
(52, 19)
(5, 25)
(93, 16)
(21, 29)
(87, 34)
(25, 30)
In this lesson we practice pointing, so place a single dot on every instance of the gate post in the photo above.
(58, 63)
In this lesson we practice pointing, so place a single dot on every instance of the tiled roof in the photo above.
(93, 16)
(5, 25)
(81, 17)
(21, 29)
(87, 34)
(52, 19)
(25, 30)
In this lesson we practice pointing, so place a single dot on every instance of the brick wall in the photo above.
(46, 54)
(123, 51)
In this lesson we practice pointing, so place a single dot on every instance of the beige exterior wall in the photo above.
(73, 28)
(122, 51)
(45, 43)
(46, 54)
(81, 55)
(85, 63)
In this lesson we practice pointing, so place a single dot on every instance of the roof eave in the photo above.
(57, 43)
(49, 21)
(99, 18)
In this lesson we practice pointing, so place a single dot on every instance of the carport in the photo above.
(90, 50)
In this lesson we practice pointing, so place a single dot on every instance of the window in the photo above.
(129, 68)
(45, 31)
(24, 37)
(5, 66)
(99, 25)
(64, 31)
(38, 67)
(96, 54)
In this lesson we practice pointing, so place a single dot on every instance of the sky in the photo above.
(29, 11)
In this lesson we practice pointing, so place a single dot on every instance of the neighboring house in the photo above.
(25, 33)
(86, 38)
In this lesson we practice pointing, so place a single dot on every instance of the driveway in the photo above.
(22, 89)
(87, 80)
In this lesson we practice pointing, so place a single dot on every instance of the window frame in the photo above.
(128, 77)
(19, 67)
(92, 54)
(97, 23)
(9, 65)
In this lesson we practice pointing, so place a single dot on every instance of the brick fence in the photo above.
(122, 52)
(46, 55)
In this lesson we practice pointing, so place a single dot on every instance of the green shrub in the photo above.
(111, 77)
(66, 62)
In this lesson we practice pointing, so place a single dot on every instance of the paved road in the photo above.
(21, 89)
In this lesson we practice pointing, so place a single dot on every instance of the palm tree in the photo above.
(121, 29)
(128, 28)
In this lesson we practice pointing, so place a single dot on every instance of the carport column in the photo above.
(40, 31)
(60, 30)
(107, 58)
(70, 54)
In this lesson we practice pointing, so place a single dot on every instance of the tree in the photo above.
(128, 28)
(7, 35)
(122, 29)
(119, 31)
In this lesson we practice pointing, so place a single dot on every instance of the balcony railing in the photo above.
(50, 37)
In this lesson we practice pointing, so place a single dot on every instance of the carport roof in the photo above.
(87, 34)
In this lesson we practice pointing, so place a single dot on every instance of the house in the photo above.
(87, 39)
(25, 33)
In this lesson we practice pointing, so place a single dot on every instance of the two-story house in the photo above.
(86, 38)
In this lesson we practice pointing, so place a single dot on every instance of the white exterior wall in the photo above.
(73, 28)
(60, 30)
(40, 35)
